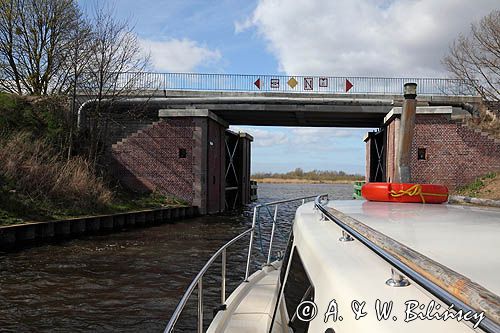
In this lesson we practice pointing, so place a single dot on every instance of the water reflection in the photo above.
(131, 281)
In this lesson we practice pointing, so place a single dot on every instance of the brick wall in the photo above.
(149, 159)
(455, 153)
(119, 129)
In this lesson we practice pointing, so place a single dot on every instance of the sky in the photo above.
(389, 38)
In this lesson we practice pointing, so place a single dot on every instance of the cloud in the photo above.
(264, 138)
(312, 135)
(240, 26)
(363, 37)
(299, 137)
(179, 55)
(285, 148)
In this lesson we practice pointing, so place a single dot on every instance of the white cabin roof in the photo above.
(465, 239)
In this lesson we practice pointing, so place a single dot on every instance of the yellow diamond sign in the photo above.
(292, 82)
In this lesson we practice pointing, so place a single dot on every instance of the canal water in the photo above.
(132, 281)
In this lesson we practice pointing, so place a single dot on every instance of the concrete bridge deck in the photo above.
(286, 109)
(284, 100)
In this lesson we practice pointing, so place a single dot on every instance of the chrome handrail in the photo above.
(198, 280)
(486, 324)
(254, 221)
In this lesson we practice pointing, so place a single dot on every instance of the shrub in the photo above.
(46, 117)
(38, 171)
(486, 121)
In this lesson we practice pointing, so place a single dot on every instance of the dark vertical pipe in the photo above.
(406, 130)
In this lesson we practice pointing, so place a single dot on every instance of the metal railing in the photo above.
(290, 83)
(256, 218)
(198, 280)
(357, 189)
(487, 325)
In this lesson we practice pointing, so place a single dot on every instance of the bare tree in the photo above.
(10, 77)
(475, 58)
(35, 38)
(115, 50)
(76, 57)
(115, 62)
(50, 47)
(76, 63)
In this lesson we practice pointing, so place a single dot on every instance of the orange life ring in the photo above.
(396, 192)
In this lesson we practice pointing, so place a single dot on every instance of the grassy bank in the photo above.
(19, 207)
(43, 174)
(486, 187)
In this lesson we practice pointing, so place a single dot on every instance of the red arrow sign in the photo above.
(257, 83)
(348, 85)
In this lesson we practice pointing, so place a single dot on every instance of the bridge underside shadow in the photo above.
(338, 114)
(283, 109)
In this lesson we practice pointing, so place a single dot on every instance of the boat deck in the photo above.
(350, 271)
(466, 239)
(250, 305)
(462, 238)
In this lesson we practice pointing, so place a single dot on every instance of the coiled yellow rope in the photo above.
(414, 190)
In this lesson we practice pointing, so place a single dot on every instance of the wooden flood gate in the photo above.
(214, 167)
(237, 175)
(376, 161)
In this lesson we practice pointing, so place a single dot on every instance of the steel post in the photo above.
(407, 127)
(250, 246)
(200, 305)
(272, 235)
(223, 277)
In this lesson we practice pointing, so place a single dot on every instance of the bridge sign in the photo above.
(348, 85)
(292, 82)
(308, 83)
(257, 83)
(323, 82)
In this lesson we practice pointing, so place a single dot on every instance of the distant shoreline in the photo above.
(299, 181)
